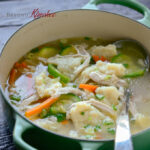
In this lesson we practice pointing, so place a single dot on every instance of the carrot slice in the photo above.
(24, 65)
(29, 75)
(12, 77)
(88, 87)
(38, 109)
(103, 58)
(17, 65)
(96, 58)
(64, 122)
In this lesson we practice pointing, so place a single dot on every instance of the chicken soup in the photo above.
(75, 87)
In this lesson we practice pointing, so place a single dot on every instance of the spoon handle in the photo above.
(123, 139)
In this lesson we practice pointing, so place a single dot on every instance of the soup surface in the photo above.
(76, 86)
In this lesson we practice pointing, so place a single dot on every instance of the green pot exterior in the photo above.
(29, 137)
(128, 3)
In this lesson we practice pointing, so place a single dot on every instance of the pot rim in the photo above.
(46, 130)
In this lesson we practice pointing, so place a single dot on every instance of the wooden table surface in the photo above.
(13, 13)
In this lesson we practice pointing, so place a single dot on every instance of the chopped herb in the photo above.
(74, 86)
(44, 113)
(126, 65)
(92, 61)
(82, 113)
(111, 130)
(86, 126)
(97, 128)
(108, 123)
(61, 117)
(99, 96)
(15, 97)
(61, 45)
(114, 107)
(107, 77)
(87, 38)
(35, 50)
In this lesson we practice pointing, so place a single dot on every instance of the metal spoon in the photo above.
(124, 44)
(123, 139)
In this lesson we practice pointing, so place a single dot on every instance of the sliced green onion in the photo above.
(92, 61)
(111, 130)
(82, 113)
(99, 96)
(15, 97)
(74, 86)
(126, 65)
(108, 123)
(86, 126)
(97, 128)
(114, 107)
(61, 117)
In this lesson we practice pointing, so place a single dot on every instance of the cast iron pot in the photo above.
(72, 23)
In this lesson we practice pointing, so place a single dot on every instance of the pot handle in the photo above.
(21, 126)
(128, 3)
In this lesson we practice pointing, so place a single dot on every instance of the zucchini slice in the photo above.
(135, 74)
(55, 73)
(68, 51)
(47, 52)
(64, 102)
(133, 69)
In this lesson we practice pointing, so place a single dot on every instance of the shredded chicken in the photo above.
(71, 65)
(90, 95)
(103, 107)
(67, 64)
(28, 101)
(67, 90)
(84, 76)
(104, 79)
(81, 50)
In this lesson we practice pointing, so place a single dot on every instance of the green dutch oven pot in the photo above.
(71, 23)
